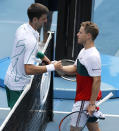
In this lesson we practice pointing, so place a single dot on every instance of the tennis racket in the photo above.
(69, 77)
(69, 119)
(44, 88)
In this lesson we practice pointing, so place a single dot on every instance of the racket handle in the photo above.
(104, 99)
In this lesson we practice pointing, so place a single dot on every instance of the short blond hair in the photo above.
(91, 28)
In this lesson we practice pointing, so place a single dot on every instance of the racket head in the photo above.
(69, 77)
(71, 121)
(44, 87)
(66, 62)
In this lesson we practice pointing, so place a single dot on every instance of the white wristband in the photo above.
(50, 67)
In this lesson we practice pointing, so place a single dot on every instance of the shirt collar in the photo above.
(31, 29)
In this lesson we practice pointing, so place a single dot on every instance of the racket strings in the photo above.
(74, 120)
(69, 121)
(69, 77)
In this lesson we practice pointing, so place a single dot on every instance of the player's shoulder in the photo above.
(93, 55)
(23, 33)
(94, 52)
(21, 28)
(81, 51)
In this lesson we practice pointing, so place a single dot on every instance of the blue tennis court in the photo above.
(13, 14)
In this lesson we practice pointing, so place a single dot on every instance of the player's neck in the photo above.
(89, 44)
(33, 26)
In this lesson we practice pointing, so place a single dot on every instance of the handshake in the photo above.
(50, 66)
(54, 65)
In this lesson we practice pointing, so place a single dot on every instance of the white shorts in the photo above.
(79, 119)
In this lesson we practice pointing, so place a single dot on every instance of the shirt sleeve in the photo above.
(75, 63)
(93, 65)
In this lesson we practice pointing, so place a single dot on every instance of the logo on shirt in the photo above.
(96, 69)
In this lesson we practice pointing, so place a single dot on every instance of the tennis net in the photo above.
(33, 109)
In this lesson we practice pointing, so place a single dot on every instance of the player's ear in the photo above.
(35, 19)
(89, 35)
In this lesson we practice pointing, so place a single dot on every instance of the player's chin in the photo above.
(39, 26)
(79, 41)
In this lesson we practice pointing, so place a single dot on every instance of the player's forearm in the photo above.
(69, 69)
(32, 69)
(95, 89)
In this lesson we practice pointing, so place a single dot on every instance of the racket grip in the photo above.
(105, 99)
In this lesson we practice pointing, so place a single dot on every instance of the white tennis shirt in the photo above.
(90, 58)
(24, 51)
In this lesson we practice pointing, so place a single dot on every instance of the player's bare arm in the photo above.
(94, 94)
(71, 69)
(33, 69)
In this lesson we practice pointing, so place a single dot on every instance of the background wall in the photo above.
(12, 15)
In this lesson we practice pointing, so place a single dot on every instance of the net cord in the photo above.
(47, 42)
(25, 90)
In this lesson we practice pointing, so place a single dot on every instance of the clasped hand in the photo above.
(57, 65)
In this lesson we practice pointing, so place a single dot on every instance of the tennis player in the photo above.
(52, 6)
(22, 65)
(88, 76)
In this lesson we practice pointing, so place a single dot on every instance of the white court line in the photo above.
(6, 109)
(62, 112)
(111, 115)
(106, 115)
(63, 89)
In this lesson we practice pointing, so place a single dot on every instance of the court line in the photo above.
(6, 109)
(106, 115)
(62, 112)
(63, 89)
